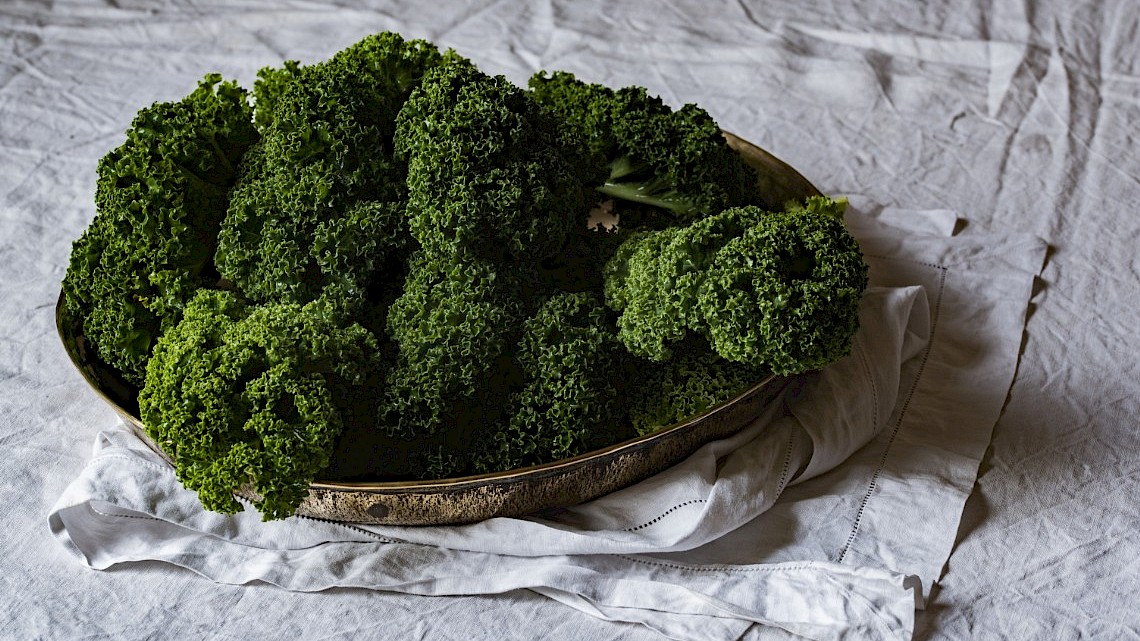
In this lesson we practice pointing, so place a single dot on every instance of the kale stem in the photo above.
(637, 192)
(624, 166)
(221, 155)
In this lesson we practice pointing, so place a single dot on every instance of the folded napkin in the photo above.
(791, 523)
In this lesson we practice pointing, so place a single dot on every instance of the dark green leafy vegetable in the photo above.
(490, 173)
(159, 200)
(573, 366)
(239, 394)
(785, 295)
(454, 324)
(271, 83)
(319, 207)
(693, 381)
(778, 290)
(495, 186)
(655, 278)
(385, 268)
(672, 161)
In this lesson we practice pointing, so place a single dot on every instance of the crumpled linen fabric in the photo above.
(1020, 116)
(623, 557)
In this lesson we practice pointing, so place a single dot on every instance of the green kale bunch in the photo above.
(159, 201)
(778, 290)
(692, 381)
(491, 173)
(673, 166)
(389, 265)
(454, 324)
(571, 402)
(243, 394)
(318, 209)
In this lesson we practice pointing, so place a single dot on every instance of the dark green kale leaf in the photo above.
(159, 200)
(785, 295)
(241, 394)
(319, 209)
(490, 173)
(777, 290)
(694, 380)
(574, 368)
(454, 325)
(675, 162)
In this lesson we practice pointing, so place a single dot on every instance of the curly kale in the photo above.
(159, 199)
(267, 89)
(693, 381)
(785, 295)
(573, 367)
(496, 186)
(386, 267)
(454, 325)
(490, 172)
(239, 394)
(319, 208)
(672, 161)
(654, 279)
(778, 290)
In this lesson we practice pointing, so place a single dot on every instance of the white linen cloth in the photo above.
(828, 517)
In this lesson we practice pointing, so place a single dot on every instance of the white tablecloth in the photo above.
(1017, 119)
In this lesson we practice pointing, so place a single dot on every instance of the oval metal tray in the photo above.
(514, 492)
